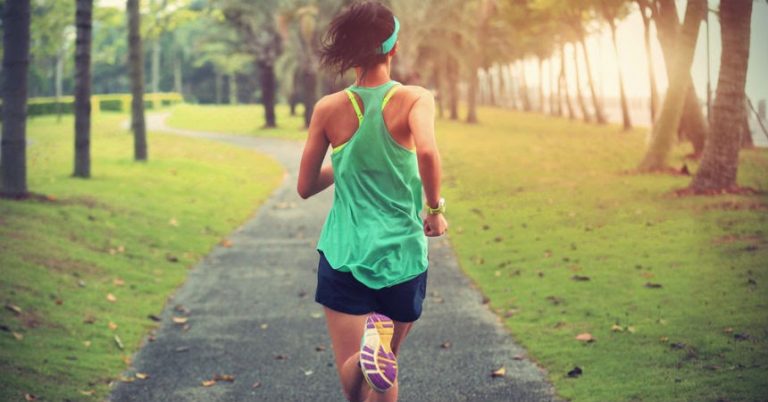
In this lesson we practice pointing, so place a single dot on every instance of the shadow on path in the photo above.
(252, 314)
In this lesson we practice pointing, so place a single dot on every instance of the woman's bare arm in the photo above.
(313, 176)
(421, 120)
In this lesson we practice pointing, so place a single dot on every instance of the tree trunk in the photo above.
(624, 107)
(599, 116)
(437, 77)
(84, 23)
(524, 88)
(500, 85)
(664, 130)
(746, 133)
(268, 92)
(492, 95)
(218, 87)
(58, 81)
(564, 83)
(554, 96)
(136, 67)
(693, 124)
(156, 67)
(579, 95)
(541, 85)
(453, 89)
(512, 90)
(16, 21)
(472, 95)
(654, 103)
(309, 94)
(178, 84)
(720, 162)
(232, 81)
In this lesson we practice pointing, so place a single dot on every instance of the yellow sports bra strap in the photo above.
(389, 95)
(355, 105)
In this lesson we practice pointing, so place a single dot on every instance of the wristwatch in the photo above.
(436, 211)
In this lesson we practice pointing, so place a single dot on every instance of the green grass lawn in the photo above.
(239, 119)
(132, 231)
(534, 202)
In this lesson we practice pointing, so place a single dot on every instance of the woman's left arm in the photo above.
(313, 176)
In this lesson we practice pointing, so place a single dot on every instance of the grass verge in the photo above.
(239, 119)
(131, 231)
(545, 219)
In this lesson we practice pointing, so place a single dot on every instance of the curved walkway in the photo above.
(251, 314)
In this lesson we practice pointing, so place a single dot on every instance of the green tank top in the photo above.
(373, 229)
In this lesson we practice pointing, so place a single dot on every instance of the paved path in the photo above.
(252, 315)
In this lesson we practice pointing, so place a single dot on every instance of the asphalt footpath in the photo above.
(251, 319)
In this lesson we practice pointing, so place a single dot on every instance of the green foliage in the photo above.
(131, 221)
(534, 201)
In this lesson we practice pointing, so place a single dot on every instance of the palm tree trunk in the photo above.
(554, 101)
(309, 89)
(178, 84)
(16, 21)
(472, 95)
(84, 23)
(513, 98)
(136, 67)
(599, 115)
(720, 162)
(268, 92)
(453, 89)
(654, 104)
(156, 67)
(585, 115)
(693, 124)
(541, 85)
(624, 107)
(663, 134)
(524, 88)
(492, 95)
(564, 83)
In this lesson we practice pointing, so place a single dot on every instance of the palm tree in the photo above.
(16, 20)
(664, 130)
(579, 96)
(83, 21)
(612, 11)
(692, 125)
(136, 68)
(646, 12)
(720, 162)
(563, 83)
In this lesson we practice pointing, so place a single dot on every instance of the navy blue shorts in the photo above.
(340, 291)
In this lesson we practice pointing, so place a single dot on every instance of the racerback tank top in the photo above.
(373, 229)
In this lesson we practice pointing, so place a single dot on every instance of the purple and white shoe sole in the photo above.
(378, 363)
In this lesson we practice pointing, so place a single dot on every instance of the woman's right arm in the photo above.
(313, 176)
(421, 120)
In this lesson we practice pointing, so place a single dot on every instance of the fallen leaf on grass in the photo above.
(127, 379)
(226, 243)
(119, 342)
(89, 319)
(741, 336)
(88, 392)
(617, 328)
(111, 297)
(575, 372)
(585, 337)
(142, 376)
(631, 329)
(446, 345)
(208, 383)
(581, 278)
(224, 377)
(18, 336)
(181, 309)
(728, 330)
(118, 282)
(180, 320)
(112, 325)
(154, 318)
(652, 285)
(30, 397)
(500, 372)
(171, 258)
(13, 308)
(173, 222)
(87, 344)
(663, 339)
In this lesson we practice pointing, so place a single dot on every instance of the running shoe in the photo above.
(377, 361)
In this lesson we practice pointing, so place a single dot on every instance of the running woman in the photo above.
(372, 272)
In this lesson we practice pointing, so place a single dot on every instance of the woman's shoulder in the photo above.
(415, 91)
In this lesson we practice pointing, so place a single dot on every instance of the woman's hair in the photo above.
(354, 37)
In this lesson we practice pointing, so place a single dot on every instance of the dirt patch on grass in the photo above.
(728, 239)
(737, 206)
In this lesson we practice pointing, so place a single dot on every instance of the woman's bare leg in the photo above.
(345, 331)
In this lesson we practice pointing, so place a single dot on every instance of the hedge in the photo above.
(110, 102)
